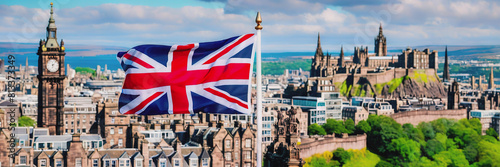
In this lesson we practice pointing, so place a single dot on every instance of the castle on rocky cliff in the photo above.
(324, 65)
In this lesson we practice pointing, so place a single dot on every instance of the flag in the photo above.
(212, 77)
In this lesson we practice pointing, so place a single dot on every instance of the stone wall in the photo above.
(310, 146)
(415, 117)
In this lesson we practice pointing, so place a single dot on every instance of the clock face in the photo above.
(52, 65)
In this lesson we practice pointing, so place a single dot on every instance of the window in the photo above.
(204, 162)
(112, 131)
(127, 162)
(22, 160)
(228, 143)
(120, 142)
(236, 143)
(122, 162)
(120, 131)
(106, 163)
(163, 163)
(228, 165)
(248, 155)
(236, 155)
(95, 163)
(112, 120)
(43, 162)
(194, 162)
(228, 156)
(248, 143)
(112, 142)
(78, 162)
(150, 163)
(177, 162)
(138, 163)
(58, 163)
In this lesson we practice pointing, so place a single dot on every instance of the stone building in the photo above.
(80, 119)
(453, 96)
(488, 119)
(113, 126)
(51, 74)
(284, 152)
(9, 112)
(418, 59)
(355, 113)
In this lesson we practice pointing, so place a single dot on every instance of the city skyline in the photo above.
(292, 27)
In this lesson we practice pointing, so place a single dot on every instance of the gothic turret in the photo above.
(380, 43)
(318, 60)
(446, 72)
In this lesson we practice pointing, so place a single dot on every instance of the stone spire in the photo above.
(317, 61)
(446, 72)
(380, 43)
(51, 30)
(380, 31)
(491, 83)
(341, 59)
(319, 51)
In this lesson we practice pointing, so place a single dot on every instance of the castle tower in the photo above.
(380, 43)
(317, 60)
(491, 83)
(446, 72)
(51, 75)
(341, 59)
(453, 95)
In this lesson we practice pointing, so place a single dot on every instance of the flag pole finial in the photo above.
(258, 20)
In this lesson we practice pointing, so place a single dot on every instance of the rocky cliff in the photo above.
(415, 84)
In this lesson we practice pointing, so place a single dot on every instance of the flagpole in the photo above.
(258, 20)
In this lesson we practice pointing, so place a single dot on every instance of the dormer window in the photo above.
(177, 162)
(138, 163)
(204, 162)
(194, 162)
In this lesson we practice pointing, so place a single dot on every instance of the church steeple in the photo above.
(380, 43)
(380, 32)
(52, 30)
(319, 51)
(446, 72)
(318, 59)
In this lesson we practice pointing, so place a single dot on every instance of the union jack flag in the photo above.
(212, 77)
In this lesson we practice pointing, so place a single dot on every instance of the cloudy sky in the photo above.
(289, 25)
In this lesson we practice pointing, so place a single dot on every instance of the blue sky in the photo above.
(289, 25)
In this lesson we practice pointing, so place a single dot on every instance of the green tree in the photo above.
(349, 126)
(453, 157)
(341, 155)
(492, 132)
(333, 126)
(433, 147)
(315, 129)
(383, 163)
(413, 133)
(384, 130)
(363, 127)
(25, 121)
(407, 150)
(470, 153)
(427, 130)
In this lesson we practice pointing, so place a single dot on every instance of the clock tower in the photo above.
(51, 75)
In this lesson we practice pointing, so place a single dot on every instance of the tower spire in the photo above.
(380, 31)
(51, 30)
(341, 58)
(446, 72)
